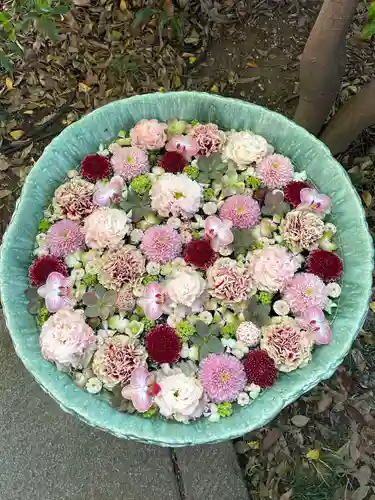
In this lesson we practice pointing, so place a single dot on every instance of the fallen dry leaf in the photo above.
(299, 420)
(82, 87)
(16, 134)
(9, 83)
(367, 198)
(313, 454)
(272, 436)
(4, 193)
(363, 475)
(123, 6)
(4, 165)
(372, 306)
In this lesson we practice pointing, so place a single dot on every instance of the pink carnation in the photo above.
(228, 281)
(303, 291)
(288, 342)
(275, 171)
(222, 376)
(271, 267)
(242, 210)
(120, 267)
(209, 138)
(73, 200)
(302, 229)
(130, 162)
(149, 134)
(65, 338)
(161, 244)
(64, 238)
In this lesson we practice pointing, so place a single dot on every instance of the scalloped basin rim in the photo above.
(82, 138)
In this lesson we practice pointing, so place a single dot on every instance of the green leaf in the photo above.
(99, 290)
(143, 16)
(6, 63)
(371, 12)
(92, 312)
(46, 26)
(139, 212)
(34, 307)
(31, 293)
(214, 330)
(90, 298)
(368, 31)
(60, 10)
(214, 345)
(16, 48)
(202, 329)
(204, 351)
(109, 298)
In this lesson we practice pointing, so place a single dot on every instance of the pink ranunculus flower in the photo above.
(110, 192)
(218, 231)
(319, 325)
(149, 134)
(153, 300)
(186, 145)
(314, 201)
(141, 389)
(56, 292)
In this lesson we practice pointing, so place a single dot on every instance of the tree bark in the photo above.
(350, 120)
(323, 63)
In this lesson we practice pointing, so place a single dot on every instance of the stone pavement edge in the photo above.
(46, 454)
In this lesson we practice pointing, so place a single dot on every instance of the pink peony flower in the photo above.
(183, 144)
(242, 210)
(120, 267)
(116, 359)
(73, 200)
(129, 162)
(218, 231)
(64, 238)
(65, 339)
(314, 201)
(57, 292)
(153, 300)
(275, 171)
(141, 389)
(228, 281)
(176, 195)
(271, 267)
(161, 244)
(302, 229)
(209, 138)
(149, 134)
(303, 291)
(106, 227)
(222, 376)
(319, 325)
(288, 342)
(109, 193)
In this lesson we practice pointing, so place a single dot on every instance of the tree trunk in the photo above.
(323, 63)
(350, 120)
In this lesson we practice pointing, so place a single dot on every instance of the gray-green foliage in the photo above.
(211, 168)
(139, 205)
(99, 302)
(207, 339)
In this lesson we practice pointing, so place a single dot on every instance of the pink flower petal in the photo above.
(323, 334)
(324, 203)
(313, 314)
(117, 183)
(183, 144)
(142, 401)
(54, 302)
(139, 378)
(102, 196)
(307, 195)
(55, 280)
(153, 289)
(127, 392)
(153, 310)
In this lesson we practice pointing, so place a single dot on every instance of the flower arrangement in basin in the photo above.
(193, 270)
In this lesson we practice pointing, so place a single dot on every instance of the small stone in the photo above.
(359, 160)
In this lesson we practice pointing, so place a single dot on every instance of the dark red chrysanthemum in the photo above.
(95, 167)
(260, 369)
(43, 266)
(292, 191)
(163, 345)
(199, 254)
(327, 265)
(172, 162)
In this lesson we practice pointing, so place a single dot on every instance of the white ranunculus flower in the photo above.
(245, 148)
(180, 396)
(333, 290)
(185, 287)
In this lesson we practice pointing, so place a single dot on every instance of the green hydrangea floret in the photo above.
(264, 297)
(257, 245)
(194, 123)
(253, 182)
(141, 184)
(151, 412)
(185, 330)
(147, 323)
(90, 279)
(42, 317)
(228, 331)
(225, 409)
(44, 225)
(191, 171)
(196, 235)
(149, 278)
(208, 194)
(139, 311)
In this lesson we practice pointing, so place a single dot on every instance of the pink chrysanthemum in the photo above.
(303, 291)
(64, 238)
(120, 267)
(73, 200)
(130, 162)
(222, 376)
(242, 210)
(161, 244)
(275, 171)
(209, 138)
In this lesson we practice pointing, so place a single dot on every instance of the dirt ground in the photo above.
(323, 446)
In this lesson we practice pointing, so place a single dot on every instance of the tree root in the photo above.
(350, 120)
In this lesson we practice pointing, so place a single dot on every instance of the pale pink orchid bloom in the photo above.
(218, 231)
(153, 300)
(109, 192)
(312, 200)
(141, 389)
(321, 327)
(56, 292)
(183, 144)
